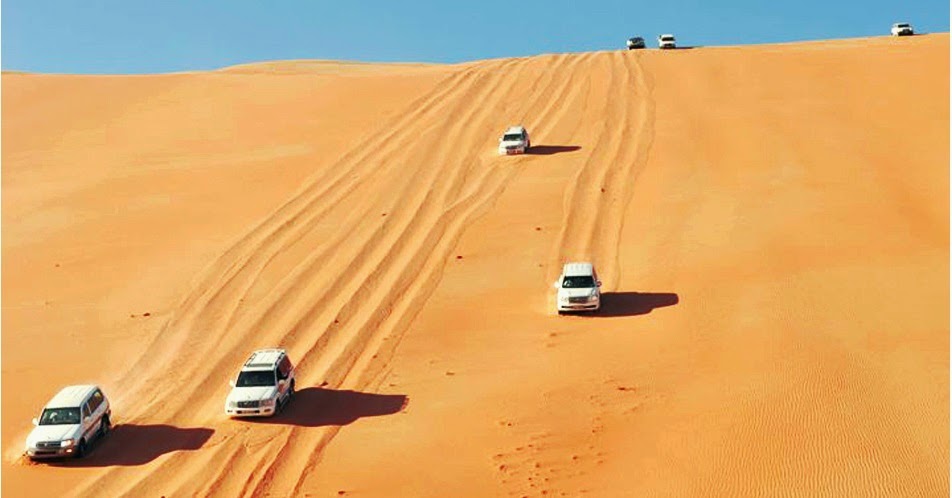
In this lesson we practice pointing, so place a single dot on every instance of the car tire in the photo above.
(104, 426)
(81, 449)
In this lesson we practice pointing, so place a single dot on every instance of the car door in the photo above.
(88, 423)
(97, 408)
(283, 372)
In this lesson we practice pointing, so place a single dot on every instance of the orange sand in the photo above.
(770, 223)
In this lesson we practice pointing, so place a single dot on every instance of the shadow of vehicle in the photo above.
(317, 407)
(634, 303)
(131, 444)
(548, 150)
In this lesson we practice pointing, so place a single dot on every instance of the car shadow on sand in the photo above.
(132, 444)
(317, 407)
(548, 150)
(634, 303)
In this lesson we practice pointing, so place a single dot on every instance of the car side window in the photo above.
(284, 368)
(85, 411)
(95, 401)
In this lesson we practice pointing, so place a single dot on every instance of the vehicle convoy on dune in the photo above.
(370, 241)
(514, 141)
(69, 423)
(901, 29)
(79, 415)
(264, 386)
(578, 288)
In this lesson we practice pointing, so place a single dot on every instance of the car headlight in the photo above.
(66, 442)
(232, 404)
(267, 402)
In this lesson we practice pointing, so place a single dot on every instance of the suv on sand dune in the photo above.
(636, 42)
(578, 288)
(264, 385)
(666, 41)
(75, 417)
(514, 141)
(901, 29)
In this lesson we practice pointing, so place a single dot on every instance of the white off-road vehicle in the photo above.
(514, 141)
(264, 385)
(578, 288)
(901, 29)
(69, 423)
(666, 41)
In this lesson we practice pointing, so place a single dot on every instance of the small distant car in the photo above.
(578, 288)
(264, 386)
(69, 423)
(636, 42)
(514, 141)
(666, 41)
(901, 29)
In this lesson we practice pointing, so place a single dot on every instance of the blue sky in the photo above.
(137, 36)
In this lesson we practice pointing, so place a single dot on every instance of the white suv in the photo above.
(75, 417)
(514, 141)
(666, 41)
(578, 288)
(264, 385)
(901, 29)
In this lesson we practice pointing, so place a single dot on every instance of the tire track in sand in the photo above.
(595, 201)
(443, 232)
(222, 275)
(297, 451)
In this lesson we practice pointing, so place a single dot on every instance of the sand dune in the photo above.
(770, 223)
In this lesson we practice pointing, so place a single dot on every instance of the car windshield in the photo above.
(512, 137)
(255, 378)
(634, 39)
(902, 25)
(578, 282)
(60, 416)
(667, 38)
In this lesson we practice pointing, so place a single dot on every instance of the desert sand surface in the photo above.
(770, 224)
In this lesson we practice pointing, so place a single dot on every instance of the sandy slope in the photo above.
(771, 225)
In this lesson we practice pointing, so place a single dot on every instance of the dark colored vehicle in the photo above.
(636, 42)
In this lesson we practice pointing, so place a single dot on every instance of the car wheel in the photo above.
(104, 426)
(81, 449)
(291, 390)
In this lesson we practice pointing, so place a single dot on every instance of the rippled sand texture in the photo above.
(770, 224)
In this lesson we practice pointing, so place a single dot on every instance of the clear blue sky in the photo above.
(138, 36)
